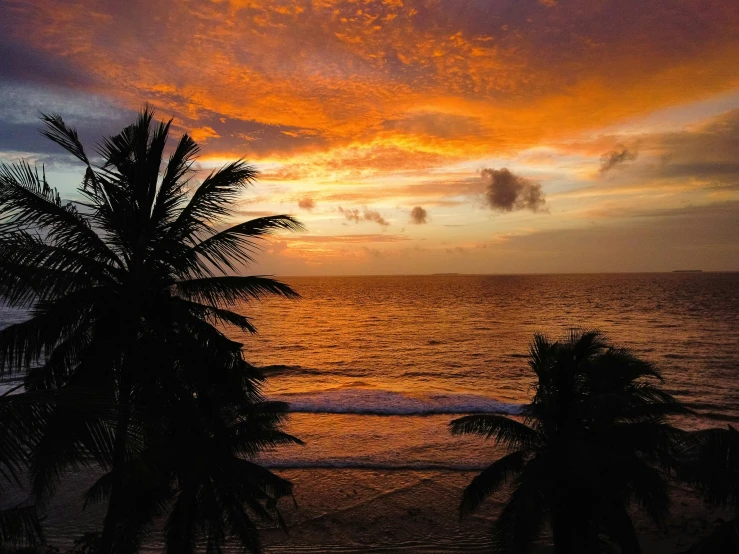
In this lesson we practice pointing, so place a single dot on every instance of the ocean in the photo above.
(374, 368)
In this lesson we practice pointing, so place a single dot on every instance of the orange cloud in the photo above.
(430, 75)
(400, 103)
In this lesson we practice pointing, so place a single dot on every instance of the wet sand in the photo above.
(352, 511)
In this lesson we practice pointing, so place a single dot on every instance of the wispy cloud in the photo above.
(611, 159)
(355, 215)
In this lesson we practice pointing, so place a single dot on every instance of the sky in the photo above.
(415, 136)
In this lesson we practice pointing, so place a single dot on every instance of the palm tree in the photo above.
(586, 447)
(124, 354)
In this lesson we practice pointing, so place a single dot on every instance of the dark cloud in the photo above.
(508, 192)
(306, 203)
(611, 159)
(694, 237)
(707, 153)
(724, 174)
(22, 63)
(93, 117)
(419, 215)
(254, 138)
(353, 214)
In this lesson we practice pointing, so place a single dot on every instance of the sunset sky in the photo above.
(416, 136)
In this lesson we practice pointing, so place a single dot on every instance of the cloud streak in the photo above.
(353, 214)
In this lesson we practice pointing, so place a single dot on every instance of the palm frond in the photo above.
(218, 316)
(491, 478)
(519, 524)
(710, 461)
(512, 433)
(584, 345)
(27, 202)
(649, 487)
(63, 135)
(238, 244)
(212, 201)
(77, 431)
(171, 194)
(540, 354)
(52, 323)
(20, 525)
(227, 291)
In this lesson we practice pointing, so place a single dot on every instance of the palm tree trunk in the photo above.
(115, 514)
(109, 542)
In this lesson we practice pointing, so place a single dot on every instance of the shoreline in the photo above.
(351, 511)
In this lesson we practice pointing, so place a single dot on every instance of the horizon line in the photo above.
(462, 274)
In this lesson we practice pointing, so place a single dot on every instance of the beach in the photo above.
(416, 512)
(352, 511)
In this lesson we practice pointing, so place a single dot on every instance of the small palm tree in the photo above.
(123, 355)
(587, 446)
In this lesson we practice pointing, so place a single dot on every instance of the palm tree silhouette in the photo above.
(123, 357)
(587, 446)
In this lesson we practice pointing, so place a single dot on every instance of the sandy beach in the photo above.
(352, 511)
(406, 511)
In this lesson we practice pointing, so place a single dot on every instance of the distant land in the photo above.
(688, 271)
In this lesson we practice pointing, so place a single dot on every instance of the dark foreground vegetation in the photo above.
(124, 370)
(123, 366)
(596, 440)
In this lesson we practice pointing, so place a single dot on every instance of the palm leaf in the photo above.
(491, 478)
(212, 201)
(171, 194)
(218, 316)
(522, 519)
(229, 290)
(20, 525)
(66, 137)
(508, 431)
(28, 202)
